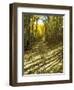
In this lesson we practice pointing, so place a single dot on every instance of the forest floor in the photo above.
(44, 59)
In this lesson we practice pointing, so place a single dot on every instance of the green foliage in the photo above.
(50, 31)
(43, 44)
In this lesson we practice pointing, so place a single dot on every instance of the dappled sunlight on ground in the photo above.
(41, 59)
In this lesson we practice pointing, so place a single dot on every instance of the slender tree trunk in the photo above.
(36, 27)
